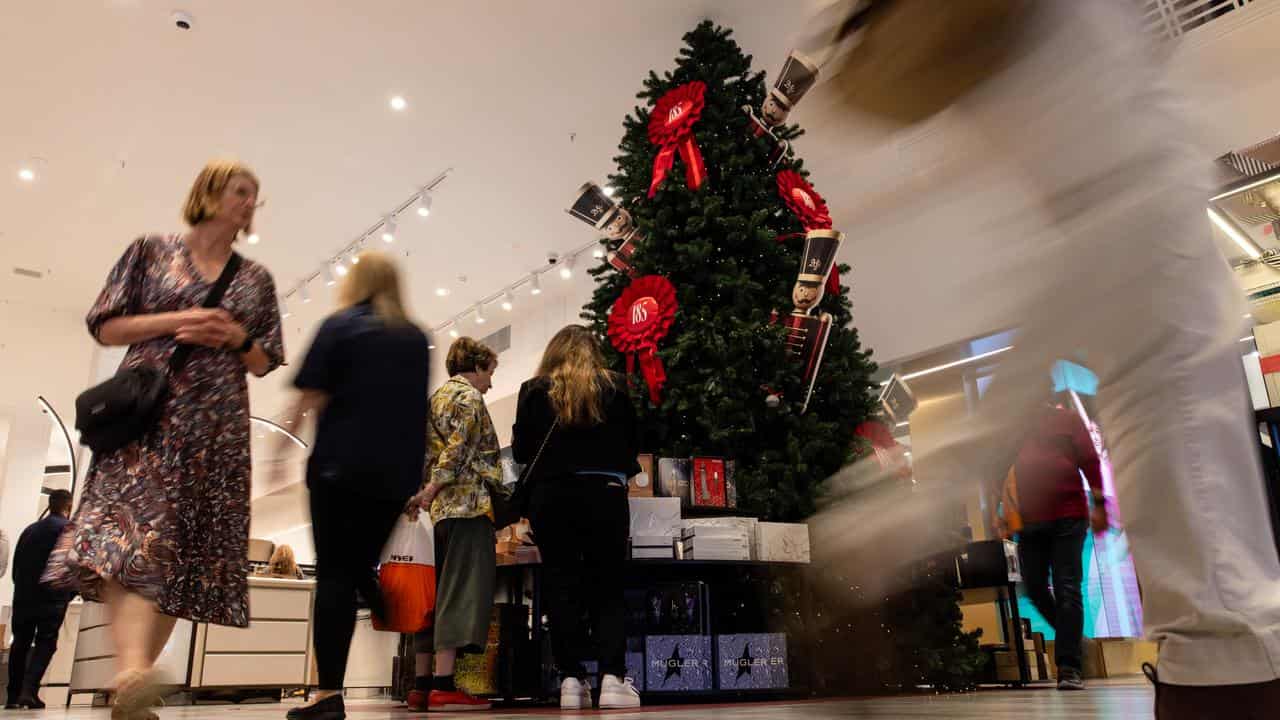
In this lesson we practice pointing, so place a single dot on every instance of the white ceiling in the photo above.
(125, 109)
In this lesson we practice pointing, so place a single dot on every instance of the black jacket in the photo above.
(30, 596)
(612, 446)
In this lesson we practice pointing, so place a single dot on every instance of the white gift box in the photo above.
(782, 542)
(709, 526)
(651, 516)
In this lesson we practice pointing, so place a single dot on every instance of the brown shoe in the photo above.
(1256, 701)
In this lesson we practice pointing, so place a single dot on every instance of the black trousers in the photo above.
(581, 525)
(35, 640)
(349, 530)
(1054, 548)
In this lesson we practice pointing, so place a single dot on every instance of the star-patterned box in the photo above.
(752, 661)
(677, 663)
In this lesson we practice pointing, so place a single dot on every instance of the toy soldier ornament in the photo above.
(807, 329)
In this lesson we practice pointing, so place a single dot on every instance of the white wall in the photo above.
(53, 359)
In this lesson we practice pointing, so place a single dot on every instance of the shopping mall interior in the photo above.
(636, 168)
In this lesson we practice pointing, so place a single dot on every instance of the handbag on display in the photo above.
(124, 407)
(510, 510)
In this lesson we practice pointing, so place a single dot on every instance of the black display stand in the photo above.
(720, 575)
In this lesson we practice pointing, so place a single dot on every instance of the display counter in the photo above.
(275, 650)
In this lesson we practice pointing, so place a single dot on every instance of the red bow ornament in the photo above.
(671, 129)
(810, 209)
(641, 317)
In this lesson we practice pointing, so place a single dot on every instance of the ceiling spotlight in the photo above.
(398, 103)
(453, 333)
(480, 319)
(566, 268)
(389, 229)
(508, 301)
(598, 253)
(536, 288)
(442, 291)
(26, 174)
(355, 258)
(424, 204)
(253, 239)
(329, 277)
(284, 309)
(608, 190)
(340, 269)
(304, 293)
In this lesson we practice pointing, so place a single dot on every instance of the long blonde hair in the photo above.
(574, 362)
(282, 562)
(376, 280)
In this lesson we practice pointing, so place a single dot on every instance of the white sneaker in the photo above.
(618, 692)
(574, 695)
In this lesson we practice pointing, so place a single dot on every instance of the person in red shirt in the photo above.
(1056, 517)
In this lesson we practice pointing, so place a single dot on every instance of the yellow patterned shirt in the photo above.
(462, 452)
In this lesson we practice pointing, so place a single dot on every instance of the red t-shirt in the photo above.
(1048, 468)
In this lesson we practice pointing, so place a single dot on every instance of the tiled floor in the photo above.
(1109, 701)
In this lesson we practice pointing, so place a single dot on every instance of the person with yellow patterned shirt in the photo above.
(462, 471)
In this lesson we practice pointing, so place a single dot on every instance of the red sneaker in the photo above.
(456, 701)
(417, 701)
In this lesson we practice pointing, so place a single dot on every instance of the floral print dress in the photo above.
(167, 516)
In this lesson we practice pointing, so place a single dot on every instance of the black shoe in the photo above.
(330, 708)
(31, 701)
(12, 705)
(1069, 679)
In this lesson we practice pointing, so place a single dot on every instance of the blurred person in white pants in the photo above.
(1114, 259)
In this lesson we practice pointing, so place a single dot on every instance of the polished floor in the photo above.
(1122, 700)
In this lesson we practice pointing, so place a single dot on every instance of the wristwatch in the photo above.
(247, 346)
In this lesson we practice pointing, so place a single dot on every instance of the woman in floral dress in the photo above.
(162, 529)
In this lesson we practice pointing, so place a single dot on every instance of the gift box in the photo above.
(642, 485)
(782, 542)
(653, 547)
(707, 485)
(740, 524)
(477, 673)
(716, 542)
(678, 663)
(673, 479)
(754, 661)
(654, 516)
(668, 609)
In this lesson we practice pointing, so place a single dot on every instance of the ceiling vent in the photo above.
(1175, 18)
(25, 272)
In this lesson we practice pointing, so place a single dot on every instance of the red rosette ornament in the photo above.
(671, 129)
(640, 318)
(810, 209)
(890, 454)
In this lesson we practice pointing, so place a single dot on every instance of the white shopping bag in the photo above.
(407, 577)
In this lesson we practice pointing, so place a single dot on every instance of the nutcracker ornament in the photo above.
(799, 73)
(807, 329)
(593, 207)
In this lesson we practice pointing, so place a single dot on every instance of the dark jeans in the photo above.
(27, 663)
(1054, 548)
(349, 530)
(581, 525)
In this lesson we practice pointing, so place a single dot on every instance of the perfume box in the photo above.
(752, 661)
(678, 663)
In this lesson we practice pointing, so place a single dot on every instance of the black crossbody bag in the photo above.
(508, 511)
(122, 409)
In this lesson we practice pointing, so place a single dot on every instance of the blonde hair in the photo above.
(376, 280)
(468, 355)
(202, 201)
(574, 362)
(282, 562)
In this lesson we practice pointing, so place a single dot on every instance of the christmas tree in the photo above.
(721, 232)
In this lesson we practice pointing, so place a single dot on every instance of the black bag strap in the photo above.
(179, 358)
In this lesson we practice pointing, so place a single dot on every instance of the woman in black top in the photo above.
(576, 425)
(366, 377)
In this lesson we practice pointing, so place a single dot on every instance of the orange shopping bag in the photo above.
(407, 577)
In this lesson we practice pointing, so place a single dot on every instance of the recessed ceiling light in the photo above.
(253, 239)
(398, 103)
(26, 174)
(442, 291)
